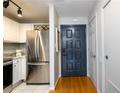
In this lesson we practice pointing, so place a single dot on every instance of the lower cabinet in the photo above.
(16, 71)
(23, 68)
(19, 69)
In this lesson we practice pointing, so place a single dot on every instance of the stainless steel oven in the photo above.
(7, 76)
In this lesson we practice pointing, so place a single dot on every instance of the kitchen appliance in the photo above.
(37, 57)
(7, 75)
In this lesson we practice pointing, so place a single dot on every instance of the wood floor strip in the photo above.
(75, 85)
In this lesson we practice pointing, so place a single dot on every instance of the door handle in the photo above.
(106, 57)
(94, 56)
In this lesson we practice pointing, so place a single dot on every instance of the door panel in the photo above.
(112, 47)
(92, 45)
(73, 41)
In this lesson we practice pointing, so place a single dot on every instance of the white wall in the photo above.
(51, 44)
(56, 25)
(54, 57)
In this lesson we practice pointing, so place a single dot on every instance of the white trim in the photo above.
(96, 41)
(51, 44)
(52, 88)
(109, 81)
(87, 47)
(60, 62)
(97, 51)
(98, 90)
(103, 63)
(57, 82)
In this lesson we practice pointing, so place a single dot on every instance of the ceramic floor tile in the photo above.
(15, 91)
(26, 91)
(46, 91)
(38, 91)
(44, 87)
(24, 88)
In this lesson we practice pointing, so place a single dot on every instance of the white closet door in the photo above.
(92, 49)
(112, 47)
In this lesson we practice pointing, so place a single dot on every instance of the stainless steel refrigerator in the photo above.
(37, 57)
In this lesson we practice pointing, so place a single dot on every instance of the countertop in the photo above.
(10, 58)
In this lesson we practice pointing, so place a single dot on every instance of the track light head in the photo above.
(5, 3)
(19, 13)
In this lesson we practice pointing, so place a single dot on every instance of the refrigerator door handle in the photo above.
(38, 40)
(36, 46)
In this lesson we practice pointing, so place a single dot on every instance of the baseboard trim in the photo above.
(113, 86)
(16, 84)
(54, 87)
(57, 82)
(94, 84)
(98, 91)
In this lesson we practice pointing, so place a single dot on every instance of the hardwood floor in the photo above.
(74, 85)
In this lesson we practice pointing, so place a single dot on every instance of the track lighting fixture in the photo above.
(6, 4)
(19, 12)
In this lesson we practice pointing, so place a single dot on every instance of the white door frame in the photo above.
(95, 18)
(103, 63)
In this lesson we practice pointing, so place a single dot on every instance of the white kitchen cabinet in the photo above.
(16, 71)
(19, 69)
(23, 68)
(11, 30)
(23, 29)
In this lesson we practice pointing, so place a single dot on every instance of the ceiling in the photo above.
(38, 10)
(74, 8)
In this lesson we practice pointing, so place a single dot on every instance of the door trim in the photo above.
(103, 63)
(96, 36)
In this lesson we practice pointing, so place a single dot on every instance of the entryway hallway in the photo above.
(75, 85)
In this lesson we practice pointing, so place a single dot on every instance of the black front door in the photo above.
(73, 52)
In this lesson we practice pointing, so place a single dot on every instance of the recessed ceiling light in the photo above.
(75, 20)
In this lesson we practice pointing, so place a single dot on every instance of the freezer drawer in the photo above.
(38, 73)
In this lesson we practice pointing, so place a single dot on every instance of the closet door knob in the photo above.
(106, 57)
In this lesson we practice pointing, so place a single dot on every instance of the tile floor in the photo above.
(23, 88)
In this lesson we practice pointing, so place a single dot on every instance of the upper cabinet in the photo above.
(11, 30)
(14, 31)
(23, 29)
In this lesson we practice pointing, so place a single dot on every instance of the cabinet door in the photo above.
(11, 30)
(23, 68)
(19, 69)
(23, 29)
(15, 71)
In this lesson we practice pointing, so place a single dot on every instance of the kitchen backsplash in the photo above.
(10, 48)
